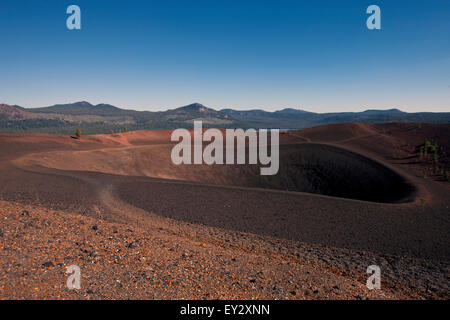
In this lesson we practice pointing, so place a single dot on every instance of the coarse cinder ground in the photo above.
(140, 227)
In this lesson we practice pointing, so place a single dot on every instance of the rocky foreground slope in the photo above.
(119, 261)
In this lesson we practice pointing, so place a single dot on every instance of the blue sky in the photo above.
(153, 55)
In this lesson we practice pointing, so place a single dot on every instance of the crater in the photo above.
(305, 167)
(332, 171)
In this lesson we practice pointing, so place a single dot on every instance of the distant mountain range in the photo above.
(104, 118)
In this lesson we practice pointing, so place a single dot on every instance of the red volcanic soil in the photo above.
(347, 196)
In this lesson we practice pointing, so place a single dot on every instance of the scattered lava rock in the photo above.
(277, 289)
(47, 264)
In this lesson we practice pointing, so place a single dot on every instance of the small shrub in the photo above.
(78, 132)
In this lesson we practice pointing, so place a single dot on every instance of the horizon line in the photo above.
(223, 108)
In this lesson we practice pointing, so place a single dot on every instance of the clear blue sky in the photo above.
(152, 55)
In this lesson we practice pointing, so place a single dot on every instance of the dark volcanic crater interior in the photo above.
(331, 171)
(306, 167)
(319, 169)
